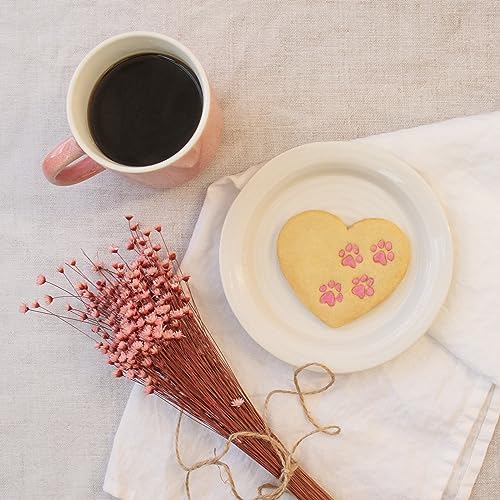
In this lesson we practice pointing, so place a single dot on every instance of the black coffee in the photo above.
(144, 109)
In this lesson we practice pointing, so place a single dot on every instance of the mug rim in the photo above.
(105, 161)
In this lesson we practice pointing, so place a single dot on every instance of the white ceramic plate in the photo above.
(353, 181)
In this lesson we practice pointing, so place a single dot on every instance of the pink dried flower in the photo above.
(237, 402)
(137, 345)
(172, 256)
(48, 299)
(146, 231)
(163, 309)
(157, 332)
(129, 329)
(60, 269)
(35, 304)
(158, 228)
(146, 332)
(168, 334)
(68, 307)
(98, 266)
(41, 279)
(23, 308)
(72, 262)
(129, 217)
(134, 226)
(113, 249)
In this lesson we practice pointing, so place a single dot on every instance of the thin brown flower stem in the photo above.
(61, 288)
(163, 241)
(123, 260)
(111, 273)
(136, 238)
(62, 318)
(92, 262)
(77, 270)
(90, 320)
(133, 237)
(71, 284)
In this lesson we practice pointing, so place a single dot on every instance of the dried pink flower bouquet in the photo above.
(141, 315)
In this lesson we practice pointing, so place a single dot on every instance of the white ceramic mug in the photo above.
(78, 158)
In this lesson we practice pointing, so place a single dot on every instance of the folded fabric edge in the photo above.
(455, 444)
(483, 440)
(114, 489)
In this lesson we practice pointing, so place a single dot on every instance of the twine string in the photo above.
(288, 464)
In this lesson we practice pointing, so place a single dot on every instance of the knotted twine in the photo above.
(289, 465)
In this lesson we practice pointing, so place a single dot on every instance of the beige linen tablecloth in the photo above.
(287, 73)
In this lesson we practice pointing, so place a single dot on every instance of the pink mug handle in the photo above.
(61, 167)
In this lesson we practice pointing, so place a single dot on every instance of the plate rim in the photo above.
(330, 148)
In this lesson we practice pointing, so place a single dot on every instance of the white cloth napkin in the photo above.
(416, 427)
(460, 159)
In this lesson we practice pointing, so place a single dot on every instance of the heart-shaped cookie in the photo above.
(338, 272)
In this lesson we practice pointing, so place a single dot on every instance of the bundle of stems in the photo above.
(141, 315)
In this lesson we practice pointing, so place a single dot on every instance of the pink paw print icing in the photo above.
(350, 255)
(363, 286)
(382, 252)
(331, 293)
